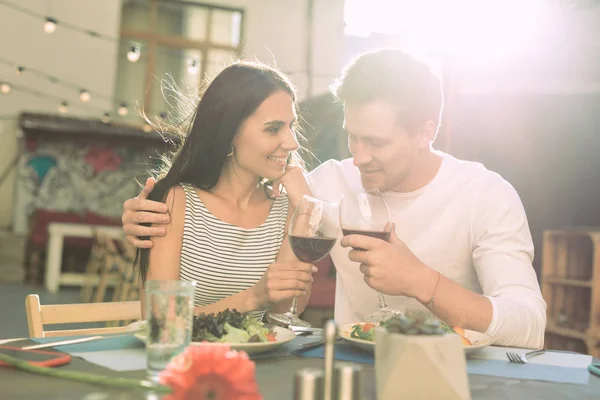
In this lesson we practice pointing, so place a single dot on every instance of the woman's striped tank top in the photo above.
(225, 259)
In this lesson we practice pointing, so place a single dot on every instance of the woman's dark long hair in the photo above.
(229, 100)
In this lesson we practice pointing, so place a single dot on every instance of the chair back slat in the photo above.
(40, 315)
(34, 316)
(82, 332)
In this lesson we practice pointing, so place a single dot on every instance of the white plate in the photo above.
(479, 340)
(283, 336)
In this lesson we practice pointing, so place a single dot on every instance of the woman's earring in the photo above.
(231, 151)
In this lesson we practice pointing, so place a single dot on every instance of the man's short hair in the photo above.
(394, 76)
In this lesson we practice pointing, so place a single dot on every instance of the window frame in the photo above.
(152, 39)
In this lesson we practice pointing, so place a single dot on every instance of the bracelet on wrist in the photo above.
(431, 301)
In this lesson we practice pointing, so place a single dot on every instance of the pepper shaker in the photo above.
(308, 384)
(330, 336)
(348, 382)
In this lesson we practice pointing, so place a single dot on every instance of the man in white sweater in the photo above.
(461, 246)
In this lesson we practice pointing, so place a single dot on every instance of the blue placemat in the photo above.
(287, 348)
(538, 372)
(504, 369)
(119, 353)
(343, 352)
(117, 360)
(116, 342)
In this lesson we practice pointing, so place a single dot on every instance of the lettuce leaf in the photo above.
(357, 333)
(259, 332)
(234, 335)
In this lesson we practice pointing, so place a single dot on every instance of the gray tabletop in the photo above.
(275, 379)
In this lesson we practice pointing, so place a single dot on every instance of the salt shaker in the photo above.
(348, 382)
(308, 384)
(330, 336)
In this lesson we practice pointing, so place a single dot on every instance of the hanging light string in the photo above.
(64, 105)
(122, 110)
(122, 106)
(134, 50)
(84, 94)
(133, 55)
(51, 23)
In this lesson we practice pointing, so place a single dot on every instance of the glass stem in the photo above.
(382, 303)
(294, 307)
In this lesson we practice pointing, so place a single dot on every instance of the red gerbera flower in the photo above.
(209, 372)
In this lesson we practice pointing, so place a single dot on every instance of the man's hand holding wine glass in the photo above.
(391, 267)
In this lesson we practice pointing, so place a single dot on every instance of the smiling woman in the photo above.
(225, 228)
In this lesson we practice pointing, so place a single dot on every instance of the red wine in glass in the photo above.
(375, 234)
(312, 234)
(311, 249)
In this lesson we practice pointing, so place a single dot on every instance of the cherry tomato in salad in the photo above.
(368, 327)
(270, 337)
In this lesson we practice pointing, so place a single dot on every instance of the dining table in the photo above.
(274, 375)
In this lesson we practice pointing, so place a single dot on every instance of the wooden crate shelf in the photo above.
(569, 282)
(571, 288)
(552, 327)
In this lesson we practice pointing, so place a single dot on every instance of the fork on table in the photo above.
(522, 358)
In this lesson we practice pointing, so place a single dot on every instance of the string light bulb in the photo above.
(147, 128)
(5, 88)
(20, 70)
(105, 118)
(84, 96)
(123, 110)
(193, 66)
(134, 53)
(63, 108)
(50, 25)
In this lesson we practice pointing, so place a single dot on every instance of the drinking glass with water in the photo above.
(169, 311)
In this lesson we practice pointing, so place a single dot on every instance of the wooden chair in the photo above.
(111, 262)
(38, 316)
(112, 267)
(94, 266)
(128, 287)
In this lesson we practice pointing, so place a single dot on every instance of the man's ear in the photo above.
(426, 134)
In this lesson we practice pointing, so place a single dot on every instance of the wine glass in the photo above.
(312, 233)
(366, 213)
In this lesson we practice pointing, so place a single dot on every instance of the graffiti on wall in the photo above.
(67, 177)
